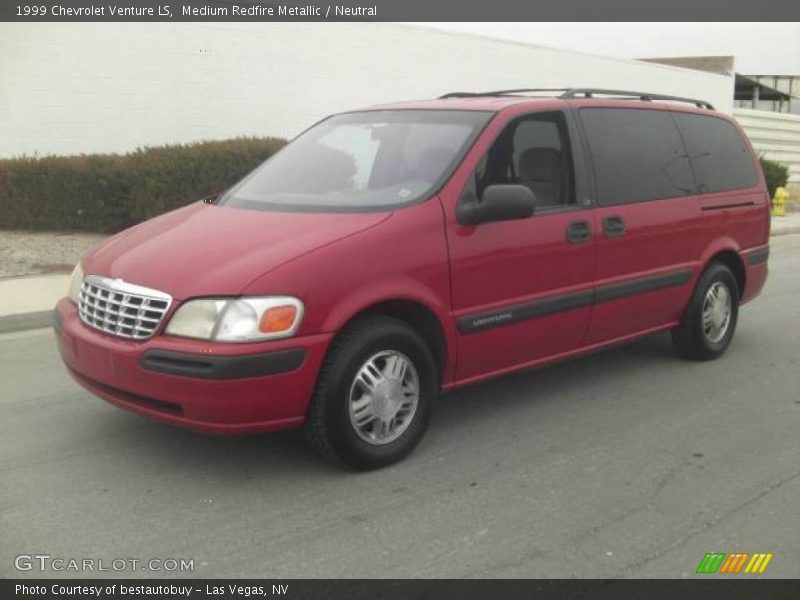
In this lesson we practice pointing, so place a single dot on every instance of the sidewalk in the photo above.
(27, 302)
(788, 224)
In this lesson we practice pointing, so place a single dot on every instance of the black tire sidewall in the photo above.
(349, 359)
(716, 272)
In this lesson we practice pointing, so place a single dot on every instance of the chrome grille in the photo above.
(120, 308)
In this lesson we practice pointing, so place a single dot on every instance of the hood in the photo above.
(206, 250)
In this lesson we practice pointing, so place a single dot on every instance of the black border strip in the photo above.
(724, 206)
(606, 293)
(555, 304)
(425, 10)
(707, 587)
(526, 311)
(758, 257)
(209, 366)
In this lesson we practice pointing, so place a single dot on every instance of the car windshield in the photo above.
(357, 161)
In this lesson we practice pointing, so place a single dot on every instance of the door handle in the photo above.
(613, 226)
(579, 232)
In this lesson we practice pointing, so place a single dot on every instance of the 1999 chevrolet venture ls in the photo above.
(390, 253)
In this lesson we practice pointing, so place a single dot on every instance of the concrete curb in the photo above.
(24, 321)
(786, 231)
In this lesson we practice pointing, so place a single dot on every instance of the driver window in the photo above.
(532, 151)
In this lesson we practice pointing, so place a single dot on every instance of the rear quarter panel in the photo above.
(739, 220)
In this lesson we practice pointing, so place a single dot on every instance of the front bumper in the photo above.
(207, 386)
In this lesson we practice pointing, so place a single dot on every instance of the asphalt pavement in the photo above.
(627, 463)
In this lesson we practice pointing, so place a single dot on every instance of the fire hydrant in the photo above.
(779, 202)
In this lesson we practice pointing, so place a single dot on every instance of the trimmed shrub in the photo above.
(775, 173)
(109, 192)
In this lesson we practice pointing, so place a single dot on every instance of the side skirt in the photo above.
(547, 360)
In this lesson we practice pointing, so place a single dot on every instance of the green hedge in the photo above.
(775, 173)
(109, 192)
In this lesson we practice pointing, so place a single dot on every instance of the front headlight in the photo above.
(237, 319)
(75, 283)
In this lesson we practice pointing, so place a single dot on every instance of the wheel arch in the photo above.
(417, 315)
(733, 260)
(726, 251)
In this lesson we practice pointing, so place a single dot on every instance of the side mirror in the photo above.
(500, 202)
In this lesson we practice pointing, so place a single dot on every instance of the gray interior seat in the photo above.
(540, 169)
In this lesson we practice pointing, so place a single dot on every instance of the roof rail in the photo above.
(584, 93)
(646, 96)
(499, 92)
(459, 95)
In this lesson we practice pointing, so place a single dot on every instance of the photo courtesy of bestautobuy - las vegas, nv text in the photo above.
(399, 299)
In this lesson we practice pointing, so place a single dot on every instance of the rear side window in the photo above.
(637, 155)
(719, 155)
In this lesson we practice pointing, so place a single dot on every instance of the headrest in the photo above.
(540, 164)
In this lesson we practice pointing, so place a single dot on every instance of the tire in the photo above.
(698, 341)
(341, 400)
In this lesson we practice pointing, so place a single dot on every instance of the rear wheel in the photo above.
(707, 328)
(372, 403)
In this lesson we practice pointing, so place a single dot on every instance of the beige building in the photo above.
(69, 88)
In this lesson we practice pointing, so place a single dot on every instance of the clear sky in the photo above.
(759, 48)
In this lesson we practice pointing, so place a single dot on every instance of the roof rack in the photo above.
(500, 92)
(646, 96)
(585, 93)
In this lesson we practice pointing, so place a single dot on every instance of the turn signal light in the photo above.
(277, 319)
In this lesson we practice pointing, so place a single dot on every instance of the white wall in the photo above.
(98, 87)
(775, 135)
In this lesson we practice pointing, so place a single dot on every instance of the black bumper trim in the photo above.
(758, 257)
(211, 366)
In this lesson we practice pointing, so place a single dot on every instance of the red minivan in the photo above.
(390, 253)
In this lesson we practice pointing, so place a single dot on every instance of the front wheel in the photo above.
(373, 398)
(707, 328)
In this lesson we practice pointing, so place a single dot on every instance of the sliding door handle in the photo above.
(579, 232)
(613, 226)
